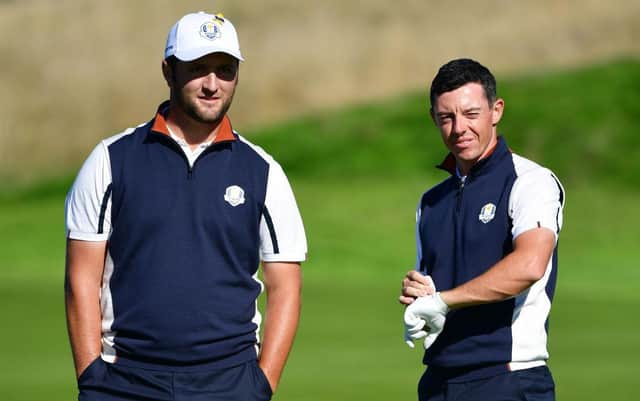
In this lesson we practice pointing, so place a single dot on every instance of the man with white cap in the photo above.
(167, 224)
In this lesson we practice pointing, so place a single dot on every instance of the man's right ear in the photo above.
(167, 73)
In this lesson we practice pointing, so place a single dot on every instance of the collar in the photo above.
(225, 131)
(449, 163)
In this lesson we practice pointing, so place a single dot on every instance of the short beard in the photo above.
(192, 110)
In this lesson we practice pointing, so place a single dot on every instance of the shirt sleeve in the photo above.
(537, 200)
(88, 203)
(282, 236)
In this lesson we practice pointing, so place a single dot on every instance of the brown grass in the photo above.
(74, 72)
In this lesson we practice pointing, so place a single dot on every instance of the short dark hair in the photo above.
(459, 72)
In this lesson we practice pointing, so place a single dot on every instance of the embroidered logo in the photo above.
(234, 195)
(210, 30)
(487, 213)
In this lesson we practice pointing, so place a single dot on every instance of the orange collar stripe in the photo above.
(225, 131)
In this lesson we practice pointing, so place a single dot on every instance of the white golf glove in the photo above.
(425, 318)
(415, 324)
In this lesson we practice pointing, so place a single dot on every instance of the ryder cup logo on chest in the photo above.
(487, 213)
(234, 195)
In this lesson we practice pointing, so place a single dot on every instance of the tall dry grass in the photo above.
(74, 72)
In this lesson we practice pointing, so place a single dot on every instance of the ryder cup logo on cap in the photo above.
(198, 34)
(210, 30)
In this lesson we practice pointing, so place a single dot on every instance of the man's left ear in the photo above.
(167, 73)
(496, 111)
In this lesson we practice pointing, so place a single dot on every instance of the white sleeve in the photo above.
(282, 236)
(536, 200)
(88, 203)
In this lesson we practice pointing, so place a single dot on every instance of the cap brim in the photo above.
(194, 54)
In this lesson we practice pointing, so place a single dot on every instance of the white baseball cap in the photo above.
(198, 34)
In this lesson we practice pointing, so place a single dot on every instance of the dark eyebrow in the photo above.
(444, 113)
(473, 110)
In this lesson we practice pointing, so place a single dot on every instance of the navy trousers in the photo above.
(103, 381)
(535, 384)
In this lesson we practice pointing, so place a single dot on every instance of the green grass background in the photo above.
(358, 174)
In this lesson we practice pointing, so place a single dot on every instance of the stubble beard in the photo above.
(201, 114)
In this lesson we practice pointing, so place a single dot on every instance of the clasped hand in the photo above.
(425, 318)
(426, 315)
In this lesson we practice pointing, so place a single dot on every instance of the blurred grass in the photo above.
(357, 174)
(349, 344)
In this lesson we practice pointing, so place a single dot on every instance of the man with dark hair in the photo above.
(459, 72)
(487, 241)
(167, 224)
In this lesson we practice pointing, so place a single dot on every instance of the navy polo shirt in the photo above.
(465, 226)
(184, 243)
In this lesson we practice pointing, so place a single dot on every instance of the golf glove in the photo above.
(425, 318)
